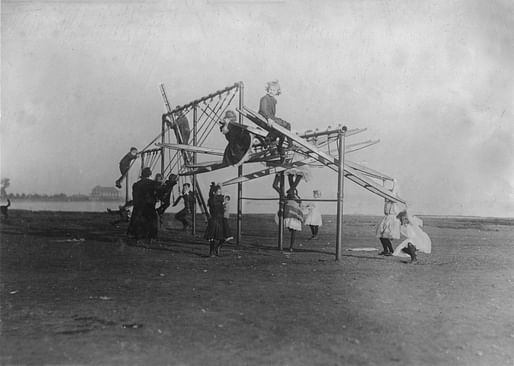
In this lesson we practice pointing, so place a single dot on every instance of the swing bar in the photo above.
(207, 97)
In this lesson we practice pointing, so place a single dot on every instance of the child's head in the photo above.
(402, 216)
(133, 151)
(146, 172)
(230, 116)
(273, 88)
(186, 187)
(158, 177)
(217, 190)
(316, 193)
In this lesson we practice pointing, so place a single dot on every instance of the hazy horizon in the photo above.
(433, 80)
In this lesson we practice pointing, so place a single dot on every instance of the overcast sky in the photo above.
(433, 80)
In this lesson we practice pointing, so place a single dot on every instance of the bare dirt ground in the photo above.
(72, 293)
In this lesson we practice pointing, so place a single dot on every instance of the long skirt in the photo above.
(417, 237)
(143, 222)
(215, 229)
(388, 227)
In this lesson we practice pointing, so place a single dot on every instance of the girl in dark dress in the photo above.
(215, 232)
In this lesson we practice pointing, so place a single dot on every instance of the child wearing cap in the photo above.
(125, 163)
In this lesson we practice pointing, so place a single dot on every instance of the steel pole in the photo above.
(340, 193)
(281, 208)
(240, 174)
(195, 122)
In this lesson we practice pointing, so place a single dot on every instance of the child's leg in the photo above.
(276, 183)
(386, 244)
(412, 252)
(293, 233)
(313, 229)
(390, 246)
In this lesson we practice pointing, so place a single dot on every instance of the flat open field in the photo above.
(73, 293)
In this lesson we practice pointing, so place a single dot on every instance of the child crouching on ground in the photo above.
(416, 238)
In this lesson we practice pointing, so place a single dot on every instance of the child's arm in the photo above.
(177, 200)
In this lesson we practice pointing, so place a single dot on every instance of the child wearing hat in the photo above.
(125, 163)
(239, 140)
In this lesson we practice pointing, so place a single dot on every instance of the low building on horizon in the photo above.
(100, 193)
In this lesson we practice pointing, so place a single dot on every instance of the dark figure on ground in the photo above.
(215, 232)
(5, 209)
(125, 163)
(164, 195)
(189, 203)
(123, 212)
(143, 223)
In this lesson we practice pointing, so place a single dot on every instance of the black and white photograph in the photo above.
(257, 182)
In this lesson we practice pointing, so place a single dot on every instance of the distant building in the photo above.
(105, 194)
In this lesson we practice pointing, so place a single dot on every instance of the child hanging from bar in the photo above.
(267, 108)
(416, 238)
(293, 216)
(125, 163)
(313, 215)
(164, 194)
(181, 125)
(189, 202)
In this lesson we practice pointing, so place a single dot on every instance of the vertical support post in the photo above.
(195, 122)
(240, 174)
(281, 209)
(340, 192)
(163, 140)
(127, 187)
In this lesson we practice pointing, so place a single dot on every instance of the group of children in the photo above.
(394, 223)
(397, 222)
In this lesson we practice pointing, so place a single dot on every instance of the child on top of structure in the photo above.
(226, 216)
(313, 215)
(389, 226)
(267, 108)
(239, 140)
(125, 163)
(416, 238)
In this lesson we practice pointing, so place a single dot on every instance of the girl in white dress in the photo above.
(313, 215)
(389, 226)
(416, 238)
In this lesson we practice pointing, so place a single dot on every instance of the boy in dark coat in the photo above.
(125, 163)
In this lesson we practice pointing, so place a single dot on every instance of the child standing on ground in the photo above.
(215, 231)
(313, 216)
(226, 216)
(125, 163)
(389, 227)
